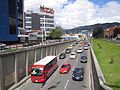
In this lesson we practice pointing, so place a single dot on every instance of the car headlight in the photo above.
(73, 76)
(81, 76)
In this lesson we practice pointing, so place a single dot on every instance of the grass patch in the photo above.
(108, 55)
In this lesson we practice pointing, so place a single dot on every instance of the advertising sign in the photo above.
(46, 10)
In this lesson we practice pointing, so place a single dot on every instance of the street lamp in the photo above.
(42, 28)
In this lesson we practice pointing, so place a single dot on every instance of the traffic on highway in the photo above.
(67, 73)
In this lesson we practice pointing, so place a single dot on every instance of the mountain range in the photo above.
(90, 27)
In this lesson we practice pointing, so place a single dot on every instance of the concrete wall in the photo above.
(15, 66)
(98, 77)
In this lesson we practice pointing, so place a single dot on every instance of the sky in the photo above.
(74, 13)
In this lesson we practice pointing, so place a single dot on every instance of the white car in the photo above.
(80, 50)
(72, 55)
(70, 47)
(2, 46)
(85, 47)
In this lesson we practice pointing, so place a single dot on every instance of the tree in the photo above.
(98, 32)
(56, 33)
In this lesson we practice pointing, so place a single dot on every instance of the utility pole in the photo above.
(44, 28)
(42, 31)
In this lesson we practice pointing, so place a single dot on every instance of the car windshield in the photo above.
(64, 66)
(62, 54)
(78, 70)
(36, 72)
(72, 54)
(67, 49)
(83, 57)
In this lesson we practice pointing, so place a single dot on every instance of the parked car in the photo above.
(67, 51)
(83, 59)
(2, 46)
(80, 50)
(78, 74)
(65, 68)
(72, 55)
(62, 56)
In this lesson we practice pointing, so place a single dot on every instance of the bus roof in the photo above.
(45, 60)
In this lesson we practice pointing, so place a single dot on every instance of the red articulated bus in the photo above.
(42, 69)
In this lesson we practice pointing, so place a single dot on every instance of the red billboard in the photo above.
(46, 10)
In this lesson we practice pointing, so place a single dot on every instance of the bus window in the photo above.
(36, 72)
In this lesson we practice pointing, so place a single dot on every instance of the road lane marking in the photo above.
(66, 84)
(76, 60)
(73, 68)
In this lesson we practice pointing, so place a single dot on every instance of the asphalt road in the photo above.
(59, 81)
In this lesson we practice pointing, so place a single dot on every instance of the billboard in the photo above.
(46, 10)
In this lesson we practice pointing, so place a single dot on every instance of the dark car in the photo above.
(83, 59)
(62, 56)
(68, 51)
(78, 74)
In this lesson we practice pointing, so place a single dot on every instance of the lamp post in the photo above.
(42, 29)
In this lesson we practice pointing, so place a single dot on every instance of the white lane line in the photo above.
(76, 60)
(73, 68)
(66, 84)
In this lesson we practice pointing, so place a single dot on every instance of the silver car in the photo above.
(2, 46)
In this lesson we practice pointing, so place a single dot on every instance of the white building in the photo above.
(43, 21)
(46, 19)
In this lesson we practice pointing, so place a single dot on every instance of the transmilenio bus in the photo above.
(42, 69)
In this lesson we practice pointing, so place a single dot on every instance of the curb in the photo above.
(19, 83)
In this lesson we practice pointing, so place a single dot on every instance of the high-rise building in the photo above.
(33, 32)
(42, 22)
(11, 18)
(46, 19)
(32, 21)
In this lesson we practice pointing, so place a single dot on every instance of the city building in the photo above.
(41, 23)
(108, 33)
(46, 19)
(32, 27)
(11, 18)
(32, 21)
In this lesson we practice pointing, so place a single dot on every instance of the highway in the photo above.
(59, 81)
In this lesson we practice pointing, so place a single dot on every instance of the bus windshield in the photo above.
(36, 72)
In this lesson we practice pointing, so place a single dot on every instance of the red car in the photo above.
(65, 68)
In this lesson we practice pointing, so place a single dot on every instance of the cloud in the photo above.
(110, 12)
(78, 12)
